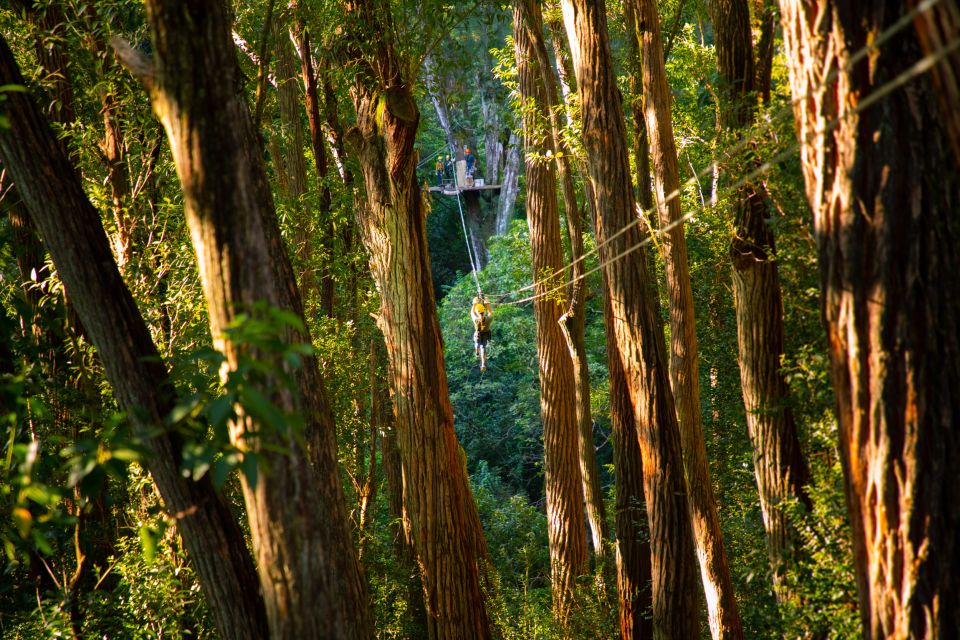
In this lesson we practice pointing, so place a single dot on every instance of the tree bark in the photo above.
(442, 517)
(779, 466)
(72, 232)
(510, 186)
(298, 520)
(294, 160)
(572, 320)
(324, 213)
(765, 21)
(638, 331)
(884, 195)
(684, 370)
(566, 530)
(633, 536)
(937, 29)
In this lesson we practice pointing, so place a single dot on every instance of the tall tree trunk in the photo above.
(633, 537)
(641, 142)
(638, 331)
(510, 186)
(434, 79)
(684, 371)
(765, 22)
(298, 519)
(566, 530)
(572, 321)
(118, 176)
(444, 524)
(294, 159)
(884, 194)
(73, 233)
(779, 466)
(324, 212)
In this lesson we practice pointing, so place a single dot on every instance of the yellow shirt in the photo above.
(481, 312)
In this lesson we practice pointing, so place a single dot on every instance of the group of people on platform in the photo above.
(445, 167)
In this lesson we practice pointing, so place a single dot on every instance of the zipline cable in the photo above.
(904, 21)
(427, 159)
(921, 66)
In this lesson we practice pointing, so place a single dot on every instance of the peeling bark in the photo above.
(884, 195)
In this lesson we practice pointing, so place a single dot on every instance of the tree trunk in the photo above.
(633, 536)
(779, 466)
(938, 29)
(324, 213)
(884, 194)
(566, 528)
(510, 186)
(641, 143)
(638, 331)
(443, 520)
(291, 136)
(765, 22)
(684, 371)
(298, 520)
(73, 233)
(477, 227)
(572, 321)
(119, 178)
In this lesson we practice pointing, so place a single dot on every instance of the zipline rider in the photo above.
(482, 315)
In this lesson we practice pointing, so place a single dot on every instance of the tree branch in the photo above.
(139, 64)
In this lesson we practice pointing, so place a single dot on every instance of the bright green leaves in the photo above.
(4, 90)
(230, 413)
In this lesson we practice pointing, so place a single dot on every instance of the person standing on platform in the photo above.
(470, 161)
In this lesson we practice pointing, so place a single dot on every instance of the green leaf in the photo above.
(221, 470)
(23, 519)
(219, 411)
(126, 454)
(148, 540)
(262, 410)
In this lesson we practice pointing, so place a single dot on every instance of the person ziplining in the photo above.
(482, 315)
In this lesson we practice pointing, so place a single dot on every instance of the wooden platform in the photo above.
(450, 190)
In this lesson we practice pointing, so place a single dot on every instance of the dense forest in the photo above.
(419, 319)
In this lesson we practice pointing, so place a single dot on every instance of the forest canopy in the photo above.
(416, 319)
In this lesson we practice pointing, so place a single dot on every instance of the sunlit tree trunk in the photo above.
(75, 238)
(566, 528)
(884, 191)
(779, 466)
(572, 321)
(684, 371)
(442, 517)
(298, 520)
(641, 143)
(633, 537)
(638, 331)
